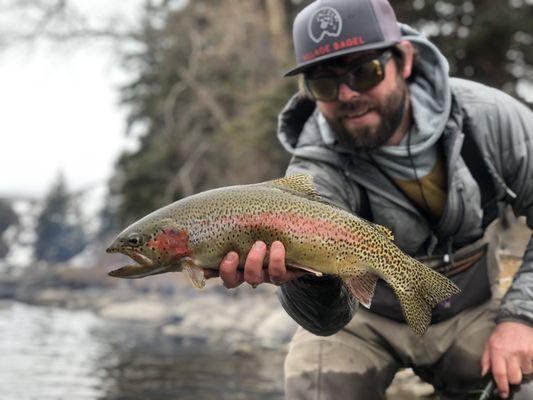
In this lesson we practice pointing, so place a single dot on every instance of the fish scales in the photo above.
(233, 218)
(198, 231)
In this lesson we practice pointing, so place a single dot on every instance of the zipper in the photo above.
(454, 195)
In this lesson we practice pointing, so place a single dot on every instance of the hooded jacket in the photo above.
(444, 110)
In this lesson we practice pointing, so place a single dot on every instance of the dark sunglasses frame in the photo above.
(350, 77)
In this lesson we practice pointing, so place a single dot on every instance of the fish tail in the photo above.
(419, 291)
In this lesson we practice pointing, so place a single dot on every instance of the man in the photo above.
(389, 136)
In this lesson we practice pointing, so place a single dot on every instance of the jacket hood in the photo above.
(430, 99)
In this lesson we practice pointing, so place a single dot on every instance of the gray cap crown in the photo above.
(330, 28)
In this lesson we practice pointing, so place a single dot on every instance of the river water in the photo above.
(49, 353)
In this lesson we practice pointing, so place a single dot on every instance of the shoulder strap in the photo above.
(364, 208)
(479, 170)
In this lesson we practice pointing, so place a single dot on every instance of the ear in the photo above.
(407, 48)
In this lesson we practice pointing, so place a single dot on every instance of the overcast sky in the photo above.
(59, 112)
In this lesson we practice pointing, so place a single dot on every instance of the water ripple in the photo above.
(50, 353)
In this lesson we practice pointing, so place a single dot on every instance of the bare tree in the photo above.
(27, 21)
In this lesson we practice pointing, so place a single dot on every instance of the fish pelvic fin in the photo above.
(360, 282)
(418, 295)
(195, 274)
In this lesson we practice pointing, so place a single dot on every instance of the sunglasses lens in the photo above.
(361, 78)
(364, 77)
(323, 89)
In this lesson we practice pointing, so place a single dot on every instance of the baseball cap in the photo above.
(327, 29)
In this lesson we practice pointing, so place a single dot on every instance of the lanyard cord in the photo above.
(426, 203)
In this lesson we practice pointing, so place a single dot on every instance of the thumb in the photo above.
(485, 360)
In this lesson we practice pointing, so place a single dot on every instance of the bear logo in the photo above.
(326, 21)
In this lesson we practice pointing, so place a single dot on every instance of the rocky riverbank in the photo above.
(168, 302)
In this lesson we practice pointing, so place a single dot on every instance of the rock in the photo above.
(138, 310)
(276, 329)
(50, 297)
(8, 287)
(406, 385)
(185, 333)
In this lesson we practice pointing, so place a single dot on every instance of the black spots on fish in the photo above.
(243, 214)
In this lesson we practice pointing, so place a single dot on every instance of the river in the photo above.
(51, 353)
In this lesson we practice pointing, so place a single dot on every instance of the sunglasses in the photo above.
(361, 76)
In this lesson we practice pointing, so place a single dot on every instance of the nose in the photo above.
(346, 94)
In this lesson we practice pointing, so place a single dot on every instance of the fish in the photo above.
(196, 232)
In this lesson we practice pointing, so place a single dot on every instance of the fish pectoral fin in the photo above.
(195, 274)
(361, 284)
(298, 266)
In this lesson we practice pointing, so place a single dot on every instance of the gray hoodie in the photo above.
(444, 111)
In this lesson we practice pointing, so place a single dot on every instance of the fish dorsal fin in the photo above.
(385, 231)
(299, 184)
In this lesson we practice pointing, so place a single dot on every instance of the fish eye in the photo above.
(134, 239)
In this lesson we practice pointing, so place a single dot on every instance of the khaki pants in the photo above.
(360, 361)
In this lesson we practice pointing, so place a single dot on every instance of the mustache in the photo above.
(354, 106)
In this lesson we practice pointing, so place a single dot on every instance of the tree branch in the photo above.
(204, 96)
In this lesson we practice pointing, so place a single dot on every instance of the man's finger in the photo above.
(514, 373)
(253, 267)
(276, 263)
(239, 279)
(499, 372)
(485, 360)
(526, 364)
(228, 270)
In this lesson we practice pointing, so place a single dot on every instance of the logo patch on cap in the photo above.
(326, 21)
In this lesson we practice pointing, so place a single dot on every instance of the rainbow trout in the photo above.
(198, 231)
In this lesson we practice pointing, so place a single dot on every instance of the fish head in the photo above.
(155, 246)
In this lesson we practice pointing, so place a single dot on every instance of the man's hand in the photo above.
(253, 272)
(509, 354)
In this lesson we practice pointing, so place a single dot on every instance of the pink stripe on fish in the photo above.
(297, 224)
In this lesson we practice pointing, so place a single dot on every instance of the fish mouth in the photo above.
(144, 265)
(138, 271)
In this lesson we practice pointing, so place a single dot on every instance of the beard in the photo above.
(368, 138)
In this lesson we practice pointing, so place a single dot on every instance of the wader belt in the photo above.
(462, 259)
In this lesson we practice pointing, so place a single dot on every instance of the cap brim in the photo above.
(308, 64)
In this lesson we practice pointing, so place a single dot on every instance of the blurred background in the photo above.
(113, 109)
